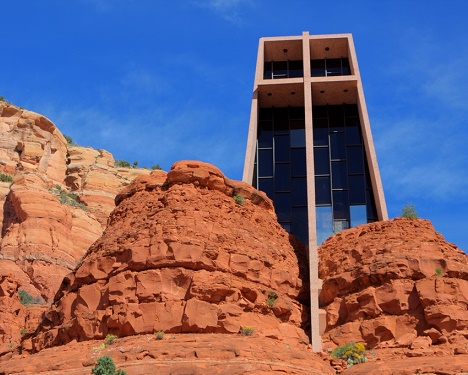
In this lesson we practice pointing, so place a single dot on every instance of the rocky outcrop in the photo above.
(32, 143)
(42, 240)
(396, 283)
(92, 174)
(214, 354)
(180, 255)
(16, 319)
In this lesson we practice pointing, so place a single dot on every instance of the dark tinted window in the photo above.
(267, 70)
(320, 132)
(340, 205)
(357, 189)
(333, 67)
(282, 177)
(345, 70)
(282, 148)
(337, 144)
(300, 223)
(353, 133)
(298, 162)
(266, 185)
(265, 163)
(339, 175)
(322, 190)
(355, 160)
(299, 191)
(296, 69)
(321, 160)
(280, 69)
(282, 203)
(297, 138)
(336, 116)
(317, 68)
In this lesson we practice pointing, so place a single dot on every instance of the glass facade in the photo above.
(281, 166)
(330, 67)
(343, 194)
(283, 69)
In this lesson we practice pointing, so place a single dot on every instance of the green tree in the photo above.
(106, 366)
(156, 167)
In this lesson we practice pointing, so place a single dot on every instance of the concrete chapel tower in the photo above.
(310, 146)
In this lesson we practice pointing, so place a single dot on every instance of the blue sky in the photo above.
(159, 81)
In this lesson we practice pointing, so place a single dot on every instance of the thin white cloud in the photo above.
(230, 10)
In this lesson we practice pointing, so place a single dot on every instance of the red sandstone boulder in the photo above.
(393, 283)
(180, 255)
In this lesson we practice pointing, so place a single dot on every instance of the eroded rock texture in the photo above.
(42, 240)
(180, 255)
(394, 283)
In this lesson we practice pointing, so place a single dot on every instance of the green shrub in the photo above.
(110, 339)
(272, 296)
(438, 271)
(156, 167)
(105, 366)
(2, 99)
(159, 335)
(69, 140)
(71, 199)
(409, 212)
(5, 177)
(351, 352)
(27, 299)
(247, 331)
(239, 198)
(122, 164)
(23, 331)
(100, 347)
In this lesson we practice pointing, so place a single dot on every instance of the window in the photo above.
(330, 67)
(283, 69)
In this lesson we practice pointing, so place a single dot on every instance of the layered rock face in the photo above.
(15, 319)
(395, 283)
(42, 239)
(180, 255)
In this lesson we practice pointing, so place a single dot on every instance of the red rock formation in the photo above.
(396, 283)
(214, 354)
(180, 255)
(43, 240)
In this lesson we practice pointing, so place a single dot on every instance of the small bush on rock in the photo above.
(122, 164)
(156, 167)
(409, 212)
(247, 331)
(106, 366)
(5, 177)
(110, 339)
(159, 335)
(351, 352)
(239, 198)
(272, 296)
(27, 299)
